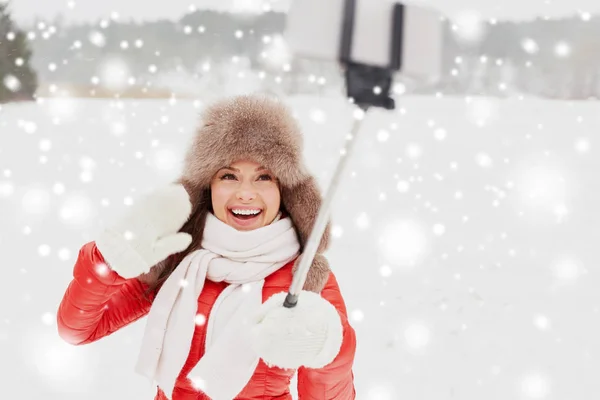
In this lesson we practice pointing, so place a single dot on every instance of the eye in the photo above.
(265, 177)
(227, 177)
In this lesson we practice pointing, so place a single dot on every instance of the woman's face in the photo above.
(245, 195)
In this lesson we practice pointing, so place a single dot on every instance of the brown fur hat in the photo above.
(262, 129)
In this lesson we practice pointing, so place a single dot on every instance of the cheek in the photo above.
(273, 199)
(219, 198)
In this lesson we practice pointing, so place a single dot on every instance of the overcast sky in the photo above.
(78, 10)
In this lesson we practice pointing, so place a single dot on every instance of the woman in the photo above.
(210, 258)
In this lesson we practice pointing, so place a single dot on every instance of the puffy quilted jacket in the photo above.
(98, 302)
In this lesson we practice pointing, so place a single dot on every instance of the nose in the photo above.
(246, 192)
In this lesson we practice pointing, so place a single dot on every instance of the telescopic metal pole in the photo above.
(316, 234)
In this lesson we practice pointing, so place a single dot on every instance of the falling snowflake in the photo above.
(481, 111)
(97, 39)
(48, 319)
(383, 135)
(58, 188)
(45, 145)
(247, 6)
(469, 26)
(440, 134)
(12, 83)
(530, 46)
(277, 53)
(6, 189)
(57, 362)
(76, 210)
(337, 231)
(380, 393)
(64, 254)
(318, 116)
(363, 221)
(385, 271)
(357, 315)
(562, 49)
(567, 270)
(582, 145)
(535, 386)
(484, 160)
(403, 186)
(541, 322)
(414, 151)
(439, 229)
(166, 160)
(403, 243)
(29, 127)
(541, 188)
(44, 250)
(416, 336)
(62, 108)
(114, 73)
(200, 319)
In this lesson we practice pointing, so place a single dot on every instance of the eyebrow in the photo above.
(261, 168)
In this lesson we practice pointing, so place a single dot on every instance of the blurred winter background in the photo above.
(465, 231)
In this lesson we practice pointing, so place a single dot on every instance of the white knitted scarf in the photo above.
(241, 258)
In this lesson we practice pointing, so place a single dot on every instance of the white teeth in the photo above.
(246, 212)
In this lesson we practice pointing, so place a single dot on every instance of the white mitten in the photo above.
(148, 232)
(308, 335)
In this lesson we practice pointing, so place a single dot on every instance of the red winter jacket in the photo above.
(99, 302)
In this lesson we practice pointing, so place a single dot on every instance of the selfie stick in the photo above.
(367, 86)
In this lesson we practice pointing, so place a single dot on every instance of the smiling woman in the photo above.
(245, 195)
(215, 253)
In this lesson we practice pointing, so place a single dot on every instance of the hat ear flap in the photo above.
(318, 273)
(302, 203)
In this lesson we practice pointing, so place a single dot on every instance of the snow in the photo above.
(114, 73)
(464, 240)
(12, 83)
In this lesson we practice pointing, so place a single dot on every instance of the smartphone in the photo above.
(315, 29)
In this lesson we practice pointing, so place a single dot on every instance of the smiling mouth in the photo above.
(245, 217)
